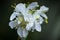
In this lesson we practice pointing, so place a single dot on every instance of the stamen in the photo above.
(32, 11)
(16, 27)
(37, 5)
(12, 6)
(37, 17)
(20, 19)
(15, 4)
(46, 20)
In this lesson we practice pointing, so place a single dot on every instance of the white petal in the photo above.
(44, 15)
(13, 15)
(19, 22)
(25, 33)
(20, 8)
(41, 20)
(33, 28)
(38, 27)
(20, 32)
(17, 13)
(12, 24)
(37, 12)
(44, 9)
(29, 26)
(36, 15)
(29, 18)
(32, 5)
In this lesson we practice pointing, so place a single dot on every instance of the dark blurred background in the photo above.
(50, 31)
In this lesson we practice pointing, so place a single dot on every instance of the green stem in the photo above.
(23, 38)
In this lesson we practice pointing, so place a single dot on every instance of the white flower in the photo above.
(26, 18)
(38, 20)
(21, 19)
(22, 8)
(38, 16)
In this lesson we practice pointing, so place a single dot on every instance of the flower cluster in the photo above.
(27, 18)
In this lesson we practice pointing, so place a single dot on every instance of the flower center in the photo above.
(37, 17)
(31, 11)
(20, 19)
(23, 22)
